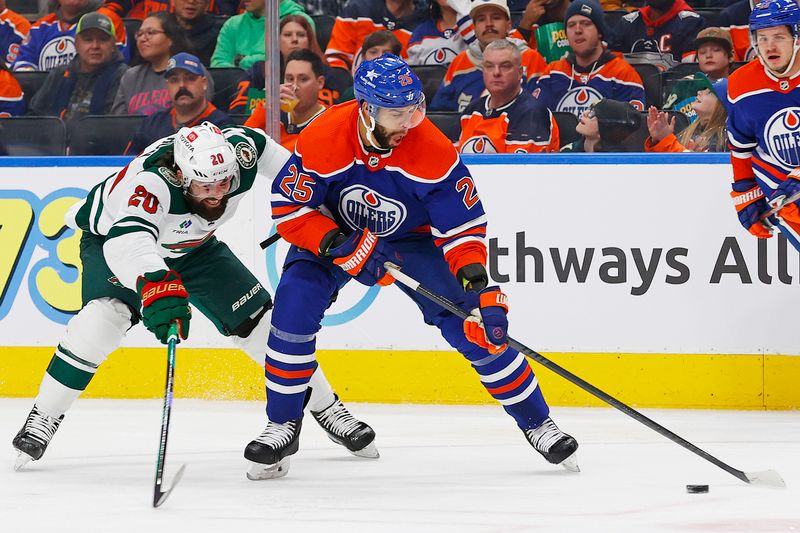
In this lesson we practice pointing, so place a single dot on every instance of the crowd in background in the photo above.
(500, 76)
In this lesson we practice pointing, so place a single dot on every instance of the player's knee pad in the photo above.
(97, 329)
(251, 337)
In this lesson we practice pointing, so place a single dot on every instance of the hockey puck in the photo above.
(697, 489)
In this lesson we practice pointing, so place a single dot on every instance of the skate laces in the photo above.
(278, 435)
(543, 437)
(41, 427)
(337, 419)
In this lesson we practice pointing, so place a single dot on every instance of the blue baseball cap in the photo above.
(186, 62)
(720, 88)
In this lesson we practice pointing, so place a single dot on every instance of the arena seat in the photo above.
(448, 123)
(651, 79)
(30, 81)
(431, 77)
(32, 136)
(567, 122)
(102, 134)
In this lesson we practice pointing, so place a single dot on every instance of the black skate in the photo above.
(36, 433)
(269, 452)
(346, 430)
(555, 445)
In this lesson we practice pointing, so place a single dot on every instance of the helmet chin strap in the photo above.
(370, 128)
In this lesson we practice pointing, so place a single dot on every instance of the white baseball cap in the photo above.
(475, 5)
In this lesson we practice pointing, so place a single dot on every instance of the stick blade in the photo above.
(766, 478)
(160, 496)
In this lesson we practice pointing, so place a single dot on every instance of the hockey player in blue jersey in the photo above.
(764, 123)
(389, 186)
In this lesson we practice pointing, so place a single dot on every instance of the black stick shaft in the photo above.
(572, 378)
(165, 415)
(269, 241)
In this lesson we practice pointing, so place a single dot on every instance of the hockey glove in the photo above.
(164, 300)
(788, 188)
(748, 198)
(362, 255)
(488, 325)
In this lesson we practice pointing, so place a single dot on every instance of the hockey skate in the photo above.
(555, 445)
(32, 440)
(346, 430)
(269, 452)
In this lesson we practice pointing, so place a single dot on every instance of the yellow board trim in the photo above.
(641, 380)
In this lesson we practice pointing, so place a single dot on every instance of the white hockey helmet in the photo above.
(203, 154)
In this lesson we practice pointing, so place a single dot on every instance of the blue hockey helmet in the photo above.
(771, 13)
(387, 81)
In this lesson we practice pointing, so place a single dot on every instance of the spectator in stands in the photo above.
(706, 134)
(463, 81)
(295, 34)
(359, 18)
(241, 40)
(714, 52)
(536, 13)
(589, 73)
(302, 82)
(507, 120)
(201, 28)
(437, 40)
(604, 127)
(51, 41)
(663, 27)
(12, 102)
(88, 84)
(187, 85)
(322, 7)
(136, 9)
(683, 94)
(143, 89)
(141, 9)
(14, 29)
(290, 7)
(736, 19)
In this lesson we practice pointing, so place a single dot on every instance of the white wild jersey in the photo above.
(142, 211)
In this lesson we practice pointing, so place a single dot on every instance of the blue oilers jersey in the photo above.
(419, 187)
(763, 125)
(566, 87)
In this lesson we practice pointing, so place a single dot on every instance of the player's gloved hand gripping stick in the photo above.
(362, 255)
(768, 478)
(164, 301)
(487, 325)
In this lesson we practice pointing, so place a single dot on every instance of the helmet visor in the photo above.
(398, 118)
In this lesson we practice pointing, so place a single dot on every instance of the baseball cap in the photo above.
(590, 9)
(720, 88)
(187, 62)
(95, 20)
(477, 5)
(716, 35)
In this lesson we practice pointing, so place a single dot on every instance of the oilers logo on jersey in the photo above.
(782, 133)
(57, 52)
(361, 207)
(578, 100)
(479, 145)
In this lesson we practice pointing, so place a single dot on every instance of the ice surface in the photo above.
(442, 468)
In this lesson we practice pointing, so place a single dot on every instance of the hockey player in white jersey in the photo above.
(148, 250)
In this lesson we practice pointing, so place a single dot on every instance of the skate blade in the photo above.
(22, 459)
(571, 463)
(370, 451)
(260, 471)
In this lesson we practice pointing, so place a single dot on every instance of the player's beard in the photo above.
(200, 208)
(383, 136)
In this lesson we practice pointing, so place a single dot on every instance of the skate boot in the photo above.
(35, 435)
(555, 445)
(269, 452)
(346, 430)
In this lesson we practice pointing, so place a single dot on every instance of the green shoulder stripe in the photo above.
(118, 231)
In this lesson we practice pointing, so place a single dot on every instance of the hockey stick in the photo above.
(793, 198)
(768, 478)
(159, 495)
